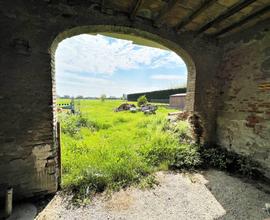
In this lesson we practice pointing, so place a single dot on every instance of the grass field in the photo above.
(103, 149)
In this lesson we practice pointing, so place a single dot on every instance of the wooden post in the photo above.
(9, 200)
(59, 153)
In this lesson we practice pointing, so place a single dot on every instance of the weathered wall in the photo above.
(243, 122)
(28, 153)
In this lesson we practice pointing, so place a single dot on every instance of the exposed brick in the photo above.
(250, 129)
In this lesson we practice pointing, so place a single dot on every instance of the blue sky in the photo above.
(91, 65)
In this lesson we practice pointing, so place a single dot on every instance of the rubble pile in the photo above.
(149, 109)
(125, 107)
(146, 109)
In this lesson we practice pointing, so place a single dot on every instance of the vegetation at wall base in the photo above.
(214, 156)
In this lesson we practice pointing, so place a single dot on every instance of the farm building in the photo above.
(177, 100)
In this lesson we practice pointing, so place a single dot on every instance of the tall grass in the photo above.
(103, 149)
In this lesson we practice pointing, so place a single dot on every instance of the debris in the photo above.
(183, 116)
(133, 109)
(146, 109)
(149, 109)
(267, 208)
(124, 107)
(178, 116)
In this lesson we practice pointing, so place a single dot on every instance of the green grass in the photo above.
(103, 149)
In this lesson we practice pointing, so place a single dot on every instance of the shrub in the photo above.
(69, 124)
(142, 100)
(166, 149)
(103, 97)
(187, 157)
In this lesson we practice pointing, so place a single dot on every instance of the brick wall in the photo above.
(243, 122)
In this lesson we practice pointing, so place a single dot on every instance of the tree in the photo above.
(142, 100)
(103, 97)
(124, 97)
(79, 97)
(66, 97)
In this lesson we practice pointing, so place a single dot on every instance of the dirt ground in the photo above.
(208, 195)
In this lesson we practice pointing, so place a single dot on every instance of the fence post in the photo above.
(59, 153)
(9, 200)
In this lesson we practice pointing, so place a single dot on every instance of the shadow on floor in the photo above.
(239, 197)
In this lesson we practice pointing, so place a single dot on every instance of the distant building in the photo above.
(178, 100)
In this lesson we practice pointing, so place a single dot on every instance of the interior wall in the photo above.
(243, 122)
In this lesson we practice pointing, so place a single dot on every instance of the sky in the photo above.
(91, 65)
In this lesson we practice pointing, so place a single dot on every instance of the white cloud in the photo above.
(73, 78)
(85, 65)
(102, 55)
(168, 77)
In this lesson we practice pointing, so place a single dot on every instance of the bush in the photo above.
(142, 100)
(165, 149)
(187, 157)
(103, 97)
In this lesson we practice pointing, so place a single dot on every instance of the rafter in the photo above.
(169, 6)
(243, 21)
(135, 9)
(231, 11)
(196, 13)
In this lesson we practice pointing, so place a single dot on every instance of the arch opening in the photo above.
(137, 37)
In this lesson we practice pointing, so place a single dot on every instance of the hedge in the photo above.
(160, 94)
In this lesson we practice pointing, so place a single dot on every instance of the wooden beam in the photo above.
(243, 21)
(229, 12)
(169, 6)
(196, 13)
(135, 9)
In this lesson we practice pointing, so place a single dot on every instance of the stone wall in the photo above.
(243, 122)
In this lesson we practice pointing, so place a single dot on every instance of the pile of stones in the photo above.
(147, 109)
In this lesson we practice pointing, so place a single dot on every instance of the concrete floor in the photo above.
(209, 195)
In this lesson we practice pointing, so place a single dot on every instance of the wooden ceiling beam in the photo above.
(229, 12)
(196, 13)
(243, 21)
(164, 11)
(135, 9)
